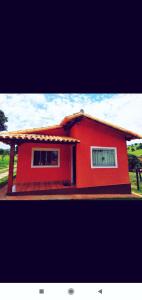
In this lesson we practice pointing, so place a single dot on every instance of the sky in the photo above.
(41, 110)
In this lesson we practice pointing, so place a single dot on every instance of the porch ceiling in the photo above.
(7, 138)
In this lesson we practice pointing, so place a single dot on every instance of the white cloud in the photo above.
(35, 110)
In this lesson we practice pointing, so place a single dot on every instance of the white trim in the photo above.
(104, 167)
(45, 149)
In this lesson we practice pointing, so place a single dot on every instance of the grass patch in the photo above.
(7, 169)
(4, 180)
(132, 176)
(4, 167)
(3, 170)
(4, 162)
(137, 152)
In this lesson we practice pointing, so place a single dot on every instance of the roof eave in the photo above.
(69, 121)
(21, 138)
(134, 137)
(31, 130)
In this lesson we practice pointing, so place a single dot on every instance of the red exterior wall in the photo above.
(94, 134)
(27, 174)
(89, 133)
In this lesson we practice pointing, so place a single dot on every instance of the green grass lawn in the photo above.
(7, 169)
(4, 180)
(4, 163)
(4, 166)
(134, 184)
(137, 152)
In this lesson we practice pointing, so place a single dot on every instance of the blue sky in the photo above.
(37, 110)
(94, 97)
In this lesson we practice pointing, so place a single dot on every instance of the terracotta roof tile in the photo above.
(36, 137)
(128, 133)
(31, 130)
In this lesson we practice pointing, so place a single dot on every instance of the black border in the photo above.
(71, 241)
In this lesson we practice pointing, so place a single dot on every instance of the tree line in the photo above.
(134, 147)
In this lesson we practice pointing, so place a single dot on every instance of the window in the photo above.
(103, 157)
(45, 158)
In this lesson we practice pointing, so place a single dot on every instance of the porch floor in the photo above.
(58, 188)
(37, 186)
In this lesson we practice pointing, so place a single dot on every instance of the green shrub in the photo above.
(133, 162)
(139, 146)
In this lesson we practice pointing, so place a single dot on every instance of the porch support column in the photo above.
(11, 168)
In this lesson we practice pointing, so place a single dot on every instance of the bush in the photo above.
(1, 151)
(133, 162)
(139, 146)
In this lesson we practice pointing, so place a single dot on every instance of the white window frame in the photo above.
(104, 167)
(45, 149)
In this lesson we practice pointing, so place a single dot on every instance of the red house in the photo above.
(80, 155)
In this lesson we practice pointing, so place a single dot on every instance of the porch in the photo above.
(61, 189)
(71, 195)
(41, 188)
(42, 171)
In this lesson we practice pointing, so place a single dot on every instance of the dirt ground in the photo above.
(4, 174)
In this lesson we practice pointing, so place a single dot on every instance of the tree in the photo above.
(1, 151)
(133, 162)
(3, 120)
(139, 146)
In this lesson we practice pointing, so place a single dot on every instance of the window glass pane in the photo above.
(45, 158)
(103, 157)
(48, 159)
(36, 161)
(52, 158)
